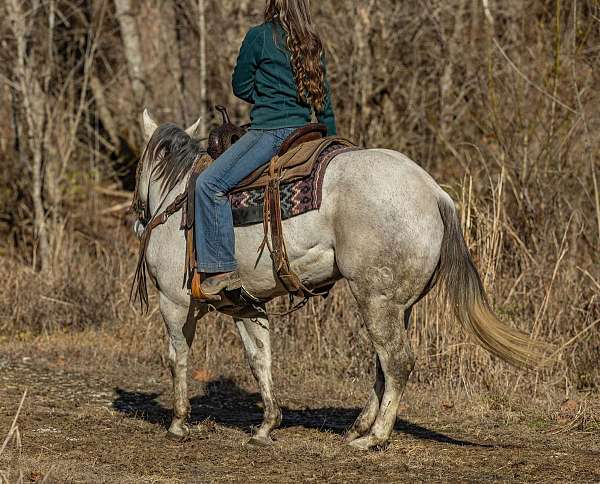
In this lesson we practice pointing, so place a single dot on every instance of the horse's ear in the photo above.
(192, 129)
(149, 125)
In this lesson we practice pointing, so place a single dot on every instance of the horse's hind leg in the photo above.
(257, 342)
(383, 316)
(369, 413)
(181, 329)
(366, 419)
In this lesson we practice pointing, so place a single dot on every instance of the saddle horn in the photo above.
(224, 113)
(222, 137)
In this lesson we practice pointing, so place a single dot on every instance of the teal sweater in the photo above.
(263, 76)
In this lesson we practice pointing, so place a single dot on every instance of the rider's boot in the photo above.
(209, 288)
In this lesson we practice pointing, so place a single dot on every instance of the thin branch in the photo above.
(530, 82)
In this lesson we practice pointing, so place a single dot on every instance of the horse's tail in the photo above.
(467, 296)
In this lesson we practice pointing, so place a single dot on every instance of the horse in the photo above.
(384, 225)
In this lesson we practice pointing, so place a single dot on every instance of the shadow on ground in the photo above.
(225, 403)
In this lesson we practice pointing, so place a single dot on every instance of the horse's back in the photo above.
(384, 209)
(380, 181)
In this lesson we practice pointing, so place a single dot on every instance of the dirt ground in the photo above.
(80, 423)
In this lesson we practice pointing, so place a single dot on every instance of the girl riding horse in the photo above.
(280, 71)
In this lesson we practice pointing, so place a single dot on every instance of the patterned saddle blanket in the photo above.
(297, 196)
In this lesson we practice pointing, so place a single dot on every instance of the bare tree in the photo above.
(362, 70)
(132, 49)
(203, 77)
(33, 102)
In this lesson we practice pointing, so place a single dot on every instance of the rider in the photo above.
(281, 71)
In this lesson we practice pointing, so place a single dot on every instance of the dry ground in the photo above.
(86, 419)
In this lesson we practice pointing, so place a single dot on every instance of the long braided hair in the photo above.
(305, 47)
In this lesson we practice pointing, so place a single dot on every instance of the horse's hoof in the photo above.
(178, 433)
(260, 441)
(175, 437)
(366, 443)
(350, 436)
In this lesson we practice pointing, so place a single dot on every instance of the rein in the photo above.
(139, 286)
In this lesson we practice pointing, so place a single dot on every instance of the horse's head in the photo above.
(168, 153)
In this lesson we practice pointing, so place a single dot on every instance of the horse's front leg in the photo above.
(257, 342)
(181, 329)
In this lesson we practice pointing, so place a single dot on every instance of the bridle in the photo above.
(141, 207)
(150, 222)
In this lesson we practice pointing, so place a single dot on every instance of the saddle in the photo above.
(225, 135)
(296, 159)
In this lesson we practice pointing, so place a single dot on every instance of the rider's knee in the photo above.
(207, 184)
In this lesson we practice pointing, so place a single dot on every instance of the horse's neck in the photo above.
(159, 200)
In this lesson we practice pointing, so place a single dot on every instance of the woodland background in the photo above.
(499, 100)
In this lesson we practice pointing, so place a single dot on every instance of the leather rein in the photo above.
(141, 208)
(139, 286)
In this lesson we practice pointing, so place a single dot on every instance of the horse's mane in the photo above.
(170, 154)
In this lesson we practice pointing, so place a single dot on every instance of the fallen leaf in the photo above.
(447, 405)
(202, 375)
(35, 476)
(569, 406)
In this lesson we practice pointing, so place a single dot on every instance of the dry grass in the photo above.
(83, 305)
(13, 437)
(498, 104)
(497, 100)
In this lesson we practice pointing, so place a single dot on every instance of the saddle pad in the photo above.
(297, 197)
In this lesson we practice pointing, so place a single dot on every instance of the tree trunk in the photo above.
(203, 77)
(362, 83)
(452, 55)
(104, 113)
(132, 49)
(33, 99)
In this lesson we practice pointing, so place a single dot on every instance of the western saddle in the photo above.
(296, 159)
(295, 165)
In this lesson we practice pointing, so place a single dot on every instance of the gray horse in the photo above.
(384, 225)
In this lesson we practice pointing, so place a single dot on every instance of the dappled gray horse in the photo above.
(384, 225)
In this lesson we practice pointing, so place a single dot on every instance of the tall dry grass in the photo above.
(88, 295)
(500, 104)
(13, 438)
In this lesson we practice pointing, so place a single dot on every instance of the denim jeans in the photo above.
(215, 240)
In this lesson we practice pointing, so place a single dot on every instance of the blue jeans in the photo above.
(215, 240)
